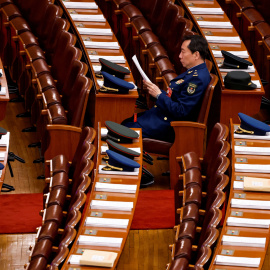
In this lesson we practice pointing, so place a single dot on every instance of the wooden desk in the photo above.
(4, 99)
(4, 149)
(124, 197)
(232, 101)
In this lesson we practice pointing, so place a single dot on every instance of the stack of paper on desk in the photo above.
(4, 141)
(111, 205)
(196, 10)
(3, 91)
(102, 45)
(1, 71)
(87, 18)
(120, 59)
(81, 5)
(238, 185)
(248, 222)
(104, 148)
(250, 204)
(135, 172)
(242, 54)
(95, 31)
(229, 240)
(256, 184)
(223, 39)
(97, 68)
(252, 137)
(104, 131)
(237, 261)
(252, 150)
(250, 69)
(258, 168)
(107, 222)
(106, 187)
(2, 156)
(257, 82)
(100, 241)
(210, 24)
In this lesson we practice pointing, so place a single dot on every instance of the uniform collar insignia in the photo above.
(179, 81)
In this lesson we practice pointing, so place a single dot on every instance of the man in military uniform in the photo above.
(183, 97)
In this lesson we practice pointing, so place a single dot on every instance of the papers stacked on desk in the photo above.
(252, 137)
(88, 18)
(107, 222)
(242, 54)
(237, 261)
(257, 82)
(102, 45)
(104, 131)
(97, 68)
(252, 150)
(250, 69)
(210, 24)
(111, 205)
(214, 11)
(248, 222)
(256, 184)
(104, 148)
(100, 241)
(106, 187)
(250, 204)
(120, 59)
(257, 168)
(238, 185)
(81, 5)
(4, 141)
(135, 172)
(3, 91)
(95, 31)
(2, 156)
(243, 241)
(223, 39)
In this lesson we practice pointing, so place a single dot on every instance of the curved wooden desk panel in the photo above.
(3, 98)
(77, 249)
(232, 101)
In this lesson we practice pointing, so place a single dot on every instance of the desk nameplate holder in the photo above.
(101, 197)
(239, 178)
(96, 214)
(239, 195)
(232, 232)
(236, 213)
(228, 252)
(90, 232)
(240, 143)
(241, 160)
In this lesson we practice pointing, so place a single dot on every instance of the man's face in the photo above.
(187, 58)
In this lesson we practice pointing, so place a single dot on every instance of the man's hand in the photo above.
(153, 89)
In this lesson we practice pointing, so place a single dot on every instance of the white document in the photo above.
(257, 82)
(100, 241)
(250, 69)
(111, 205)
(3, 91)
(136, 62)
(225, 39)
(1, 71)
(210, 24)
(4, 141)
(104, 132)
(87, 18)
(104, 148)
(74, 259)
(263, 151)
(250, 204)
(242, 54)
(252, 137)
(121, 188)
(237, 261)
(2, 156)
(135, 172)
(215, 11)
(95, 31)
(81, 5)
(107, 222)
(102, 45)
(229, 240)
(120, 59)
(248, 222)
(258, 168)
(238, 185)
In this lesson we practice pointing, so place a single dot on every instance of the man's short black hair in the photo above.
(197, 43)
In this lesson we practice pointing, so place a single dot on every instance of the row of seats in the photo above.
(53, 84)
(254, 29)
(63, 204)
(202, 199)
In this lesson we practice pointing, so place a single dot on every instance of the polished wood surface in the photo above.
(3, 98)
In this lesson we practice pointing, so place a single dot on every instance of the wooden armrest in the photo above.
(187, 124)
(194, 247)
(201, 212)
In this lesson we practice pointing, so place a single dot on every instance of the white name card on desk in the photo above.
(104, 131)
(248, 222)
(252, 137)
(243, 241)
(225, 39)
(104, 148)
(2, 156)
(250, 69)
(1, 71)
(257, 168)
(107, 222)
(252, 150)
(237, 261)
(210, 24)
(121, 188)
(250, 204)
(81, 5)
(95, 31)
(4, 141)
(238, 185)
(257, 82)
(111, 205)
(102, 45)
(120, 59)
(216, 11)
(88, 18)
(100, 241)
(242, 54)
(3, 91)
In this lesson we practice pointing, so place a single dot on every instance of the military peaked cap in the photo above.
(233, 61)
(120, 133)
(118, 162)
(239, 80)
(251, 126)
(120, 149)
(113, 69)
(115, 85)
(2, 132)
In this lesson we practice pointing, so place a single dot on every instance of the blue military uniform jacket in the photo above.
(187, 91)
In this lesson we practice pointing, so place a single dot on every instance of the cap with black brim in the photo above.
(234, 62)
(239, 80)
